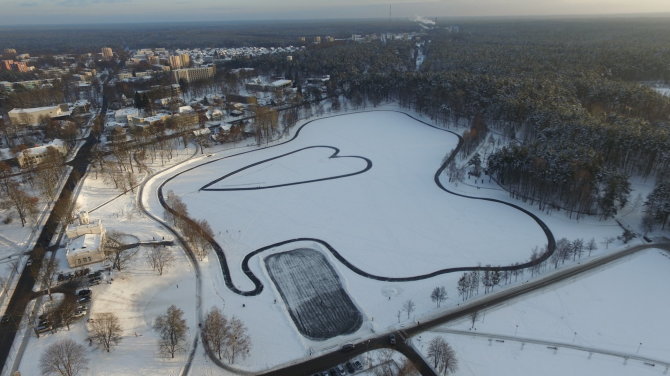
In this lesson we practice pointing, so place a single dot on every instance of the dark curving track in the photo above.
(258, 285)
(335, 155)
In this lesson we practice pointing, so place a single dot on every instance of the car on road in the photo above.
(392, 340)
(4, 320)
(84, 299)
(84, 292)
(347, 348)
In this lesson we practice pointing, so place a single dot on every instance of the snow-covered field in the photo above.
(393, 212)
(619, 308)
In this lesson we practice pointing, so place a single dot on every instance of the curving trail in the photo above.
(258, 285)
(335, 155)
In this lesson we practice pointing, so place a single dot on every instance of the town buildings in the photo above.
(33, 116)
(193, 74)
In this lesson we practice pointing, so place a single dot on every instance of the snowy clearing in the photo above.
(599, 310)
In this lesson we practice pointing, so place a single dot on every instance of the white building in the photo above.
(84, 250)
(85, 242)
(125, 114)
(36, 155)
(32, 116)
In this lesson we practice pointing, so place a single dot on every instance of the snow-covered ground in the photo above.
(393, 212)
(663, 90)
(136, 295)
(619, 308)
(391, 220)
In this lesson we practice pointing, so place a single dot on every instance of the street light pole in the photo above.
(638, 348)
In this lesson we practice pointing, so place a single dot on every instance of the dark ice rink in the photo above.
(311, 289)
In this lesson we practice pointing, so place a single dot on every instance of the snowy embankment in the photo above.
(617, 308)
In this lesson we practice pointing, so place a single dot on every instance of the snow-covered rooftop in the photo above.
(84, 243)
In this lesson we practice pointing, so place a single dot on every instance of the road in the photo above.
(23, 292)
(551, 345)
(329, 360)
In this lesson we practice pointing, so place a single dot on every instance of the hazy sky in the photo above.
(98, 11)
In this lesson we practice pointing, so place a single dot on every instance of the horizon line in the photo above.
(566, 16)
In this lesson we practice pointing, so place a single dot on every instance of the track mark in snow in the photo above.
(238, 180)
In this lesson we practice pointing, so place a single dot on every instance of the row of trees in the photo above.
(226, 337)
(197, 232)
(470, 282)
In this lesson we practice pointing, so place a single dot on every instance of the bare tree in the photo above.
(607, 241)
(408, 307)
(63, 358)
(407, 368)
(117, 253)
(172, 329)
(473, 318)
(385, 362)
(199, 233)
(25, 204)
(238, 343)
(47, 275)
(442, 356)
(49, 173)
(438, 295)
(215, 331)
(591, 246)
(106, 330)
(66, 311)
(160, 258)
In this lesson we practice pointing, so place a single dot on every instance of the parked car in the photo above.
(340, 370)
(358, 365)
(392, 339)
(350, 367)
(80, 313)
(84, 292)
(84, 299)
(4, 320)
(43, 329)
(347, 348)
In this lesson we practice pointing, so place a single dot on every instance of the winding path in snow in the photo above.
(258, 285)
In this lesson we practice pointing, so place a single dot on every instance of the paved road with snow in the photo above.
(555, 345)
